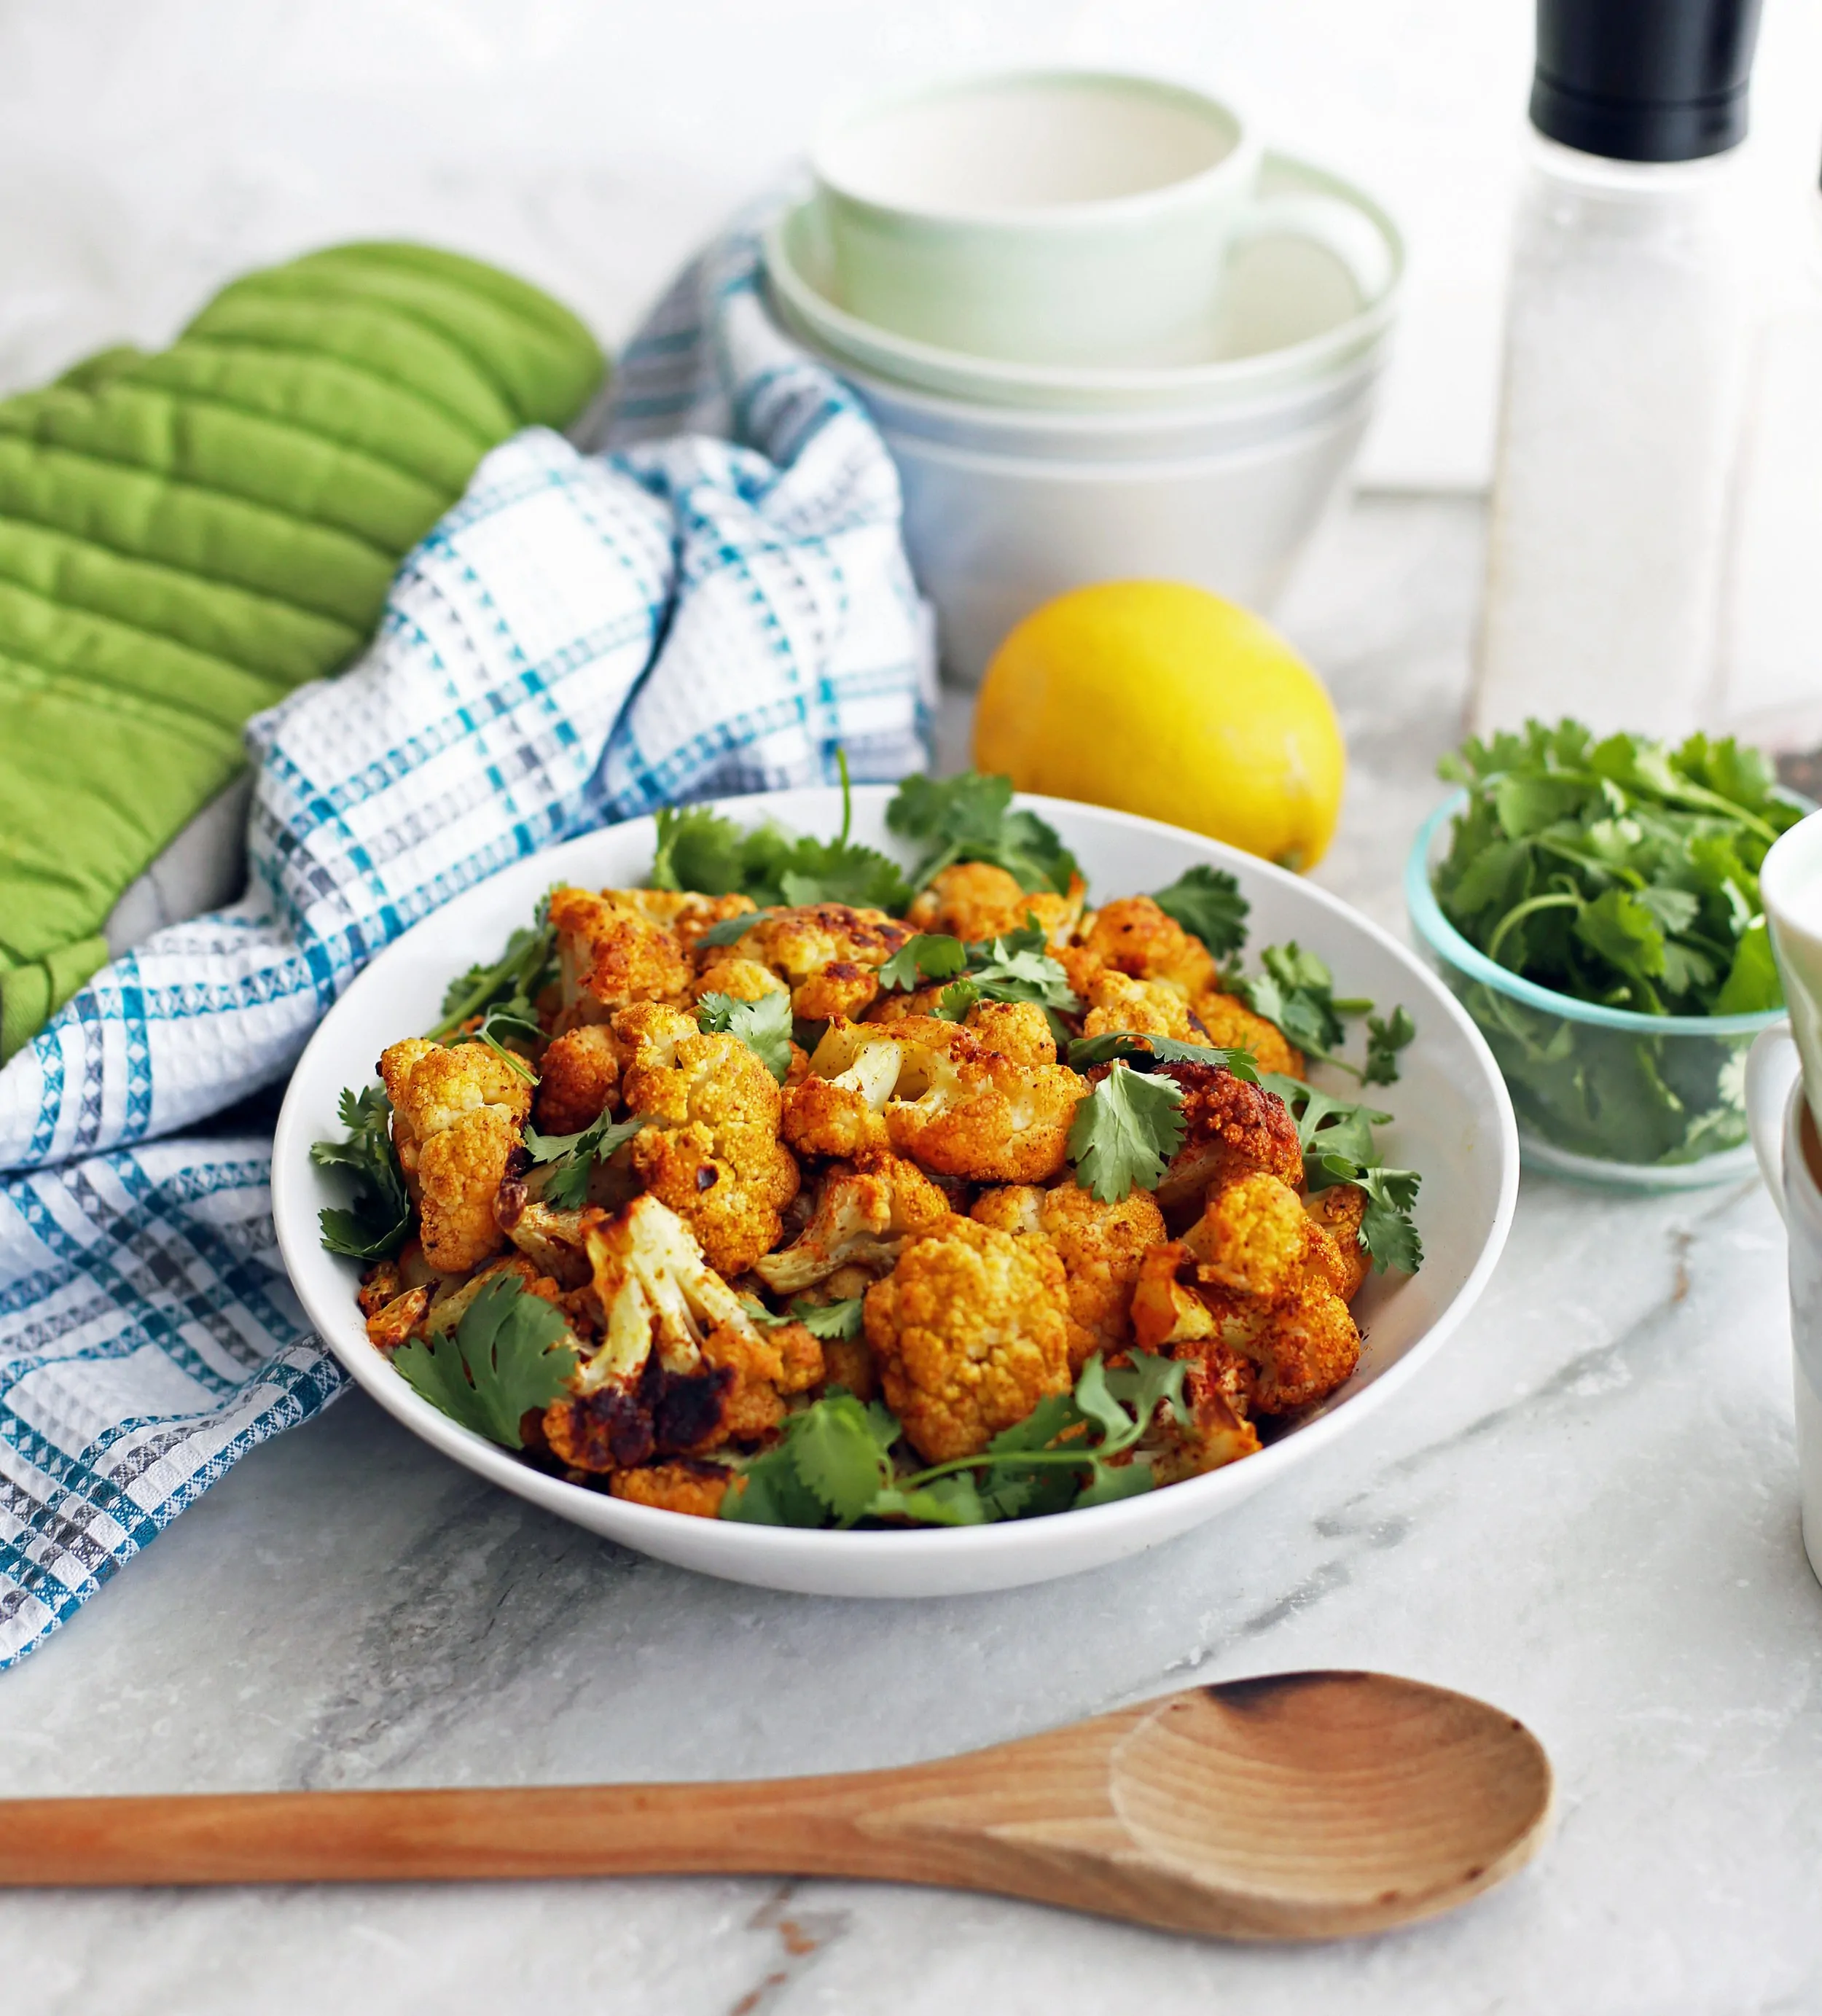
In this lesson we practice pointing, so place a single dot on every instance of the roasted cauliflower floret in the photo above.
(1133, 936)
(839, 1108)
(828, 954)
(975, 900)
(1100, 1246)
(578, 1077)
(612, 954)
(1252, 1282)
(456, 1114)
(740, 979)
(695, 1489)
(1142, 1007)
(946, 1099)
(687, 913)
(678, 1361)
(865, 1212)
(1229, 1126)
(969, 1331)
(1230, 1025)
(1216, 1434)
(1339, 1211)
(1016, 1029)
(710, 1147)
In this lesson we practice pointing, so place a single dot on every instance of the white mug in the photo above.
(1051, 216)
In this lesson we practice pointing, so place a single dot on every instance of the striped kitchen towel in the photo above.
(585, 636)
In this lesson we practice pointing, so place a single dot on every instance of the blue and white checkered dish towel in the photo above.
(584, 637)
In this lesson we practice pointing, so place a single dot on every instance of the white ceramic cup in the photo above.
(1779, 1119)
(1049, 216)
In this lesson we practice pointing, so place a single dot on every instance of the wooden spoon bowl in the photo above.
(1305, 1805)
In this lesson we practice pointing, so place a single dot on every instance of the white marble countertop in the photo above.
(1585, 1510)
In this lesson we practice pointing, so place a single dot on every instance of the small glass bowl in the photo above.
(1655, 1102)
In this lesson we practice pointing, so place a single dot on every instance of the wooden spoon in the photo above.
(1306, 1806)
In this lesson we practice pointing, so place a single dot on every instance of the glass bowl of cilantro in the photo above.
(1593, 904)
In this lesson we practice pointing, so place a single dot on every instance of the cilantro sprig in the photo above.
(971, 818)
(575, 1155)
(1336, 1139)
(503, 993)
(1016, 966)
(701, 849)
(764, 1026)
(379, 1221)
(508, 1355)
(1126, 1130)
(835, 1463)
(1207, 902)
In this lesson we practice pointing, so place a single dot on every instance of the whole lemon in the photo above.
(1162, 699)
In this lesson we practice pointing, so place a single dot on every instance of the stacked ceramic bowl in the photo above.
(1105, 334)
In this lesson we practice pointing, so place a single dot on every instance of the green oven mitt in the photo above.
(185, 537)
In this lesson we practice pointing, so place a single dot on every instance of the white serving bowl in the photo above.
(992, 535)
(1454, 1124)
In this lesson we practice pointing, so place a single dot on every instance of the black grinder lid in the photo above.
(1643, 80)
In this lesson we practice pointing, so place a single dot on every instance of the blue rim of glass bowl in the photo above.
(1449, 945)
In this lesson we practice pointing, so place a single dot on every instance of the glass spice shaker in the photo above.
(1626, 333)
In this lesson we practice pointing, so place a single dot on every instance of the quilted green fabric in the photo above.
(183, 537)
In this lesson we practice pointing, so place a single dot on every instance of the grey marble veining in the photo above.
(1585, 1510)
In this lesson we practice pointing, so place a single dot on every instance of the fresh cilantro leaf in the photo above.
(1296, 991)
(1111, 1482)
(508, 1356)
(1125, 1133)
(1339, 1148)
(1147, 1382)
(1019, 967)
(1753, 985)
(1207, 902)
(697, 849)
(764, 1026)
(922, 960)
(830, 1320)
(1386, 1035)
(768, 1491)
(971, 818)
(380, 1220)
(575, 1156)
(955, 1500)
(833, 1445)
(503, 1023)
(1147, 1052)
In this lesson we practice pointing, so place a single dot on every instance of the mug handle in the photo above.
(1772, 1068)
(1327, 221)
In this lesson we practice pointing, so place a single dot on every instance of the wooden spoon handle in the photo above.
(794, 1826)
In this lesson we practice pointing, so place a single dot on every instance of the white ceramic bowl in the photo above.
(1291, 308)
(993, 535)
(1454, 1123)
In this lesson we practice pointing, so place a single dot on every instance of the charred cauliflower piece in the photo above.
(1252, 1281)
(970, 1331)
(693, 1488)
(1100, 1246)
(1229, 1127)
(974, 900)
(710, 1148)
(944, 1098)
(679, 1365)
(1339, 1211)
(612, 954)
(866, 1213)
(828, 955)
(1134, 937)
(1231, 1025)
(578, 1075)
(457, 1115)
